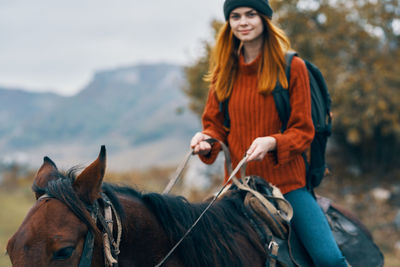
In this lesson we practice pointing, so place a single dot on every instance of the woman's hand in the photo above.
(198, 144)
(260, 147)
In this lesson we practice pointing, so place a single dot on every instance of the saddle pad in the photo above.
(352, 237)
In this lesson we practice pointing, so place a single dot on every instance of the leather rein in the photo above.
(110, 246)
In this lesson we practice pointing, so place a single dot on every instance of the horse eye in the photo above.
(63, 254)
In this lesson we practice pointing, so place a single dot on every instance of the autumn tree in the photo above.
(355, 43)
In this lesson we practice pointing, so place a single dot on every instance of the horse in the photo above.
(56, 230)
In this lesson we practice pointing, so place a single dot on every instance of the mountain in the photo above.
(138, 112)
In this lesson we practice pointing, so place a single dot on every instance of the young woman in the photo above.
(247, 61)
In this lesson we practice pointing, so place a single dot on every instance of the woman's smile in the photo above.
(245, 32)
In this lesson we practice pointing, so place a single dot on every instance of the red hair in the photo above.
(225, 57)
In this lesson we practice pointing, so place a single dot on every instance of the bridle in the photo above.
(110, 246)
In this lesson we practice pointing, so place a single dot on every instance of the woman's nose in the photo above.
(243, 20)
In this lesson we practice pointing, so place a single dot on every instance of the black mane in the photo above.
(213, 240)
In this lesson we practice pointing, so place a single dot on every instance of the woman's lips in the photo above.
(245, 32)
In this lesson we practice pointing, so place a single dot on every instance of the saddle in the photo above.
(269, 214)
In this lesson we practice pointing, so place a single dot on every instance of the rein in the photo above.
(178, 173)
(111, 247)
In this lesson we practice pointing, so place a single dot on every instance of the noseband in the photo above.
(111, 247)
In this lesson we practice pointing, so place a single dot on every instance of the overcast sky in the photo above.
(51, 45)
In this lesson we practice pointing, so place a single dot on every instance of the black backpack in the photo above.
(321, 116)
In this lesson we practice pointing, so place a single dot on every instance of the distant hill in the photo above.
(138, 112)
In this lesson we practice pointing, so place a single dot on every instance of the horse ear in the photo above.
(46, 173)
(88, 183)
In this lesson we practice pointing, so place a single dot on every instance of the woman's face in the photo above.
(246, 24)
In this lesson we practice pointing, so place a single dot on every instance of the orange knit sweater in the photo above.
(254, 115)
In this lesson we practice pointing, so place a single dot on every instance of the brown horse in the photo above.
(56, 230)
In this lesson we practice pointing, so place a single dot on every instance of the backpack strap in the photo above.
(281, 95)
(288, 58)
(223, 107)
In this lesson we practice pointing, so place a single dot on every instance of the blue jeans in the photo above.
(312, 228)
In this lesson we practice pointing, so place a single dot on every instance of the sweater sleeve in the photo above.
(300, 129)
(212, 120)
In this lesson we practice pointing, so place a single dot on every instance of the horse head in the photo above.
(66, 225)
(53, 232)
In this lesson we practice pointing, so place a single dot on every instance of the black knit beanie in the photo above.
(261, 6)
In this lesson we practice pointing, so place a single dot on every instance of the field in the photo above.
(378, 214)
(14, 206)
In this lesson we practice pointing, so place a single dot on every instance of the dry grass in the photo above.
(14, 206)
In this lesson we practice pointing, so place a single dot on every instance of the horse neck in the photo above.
(144, 242)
